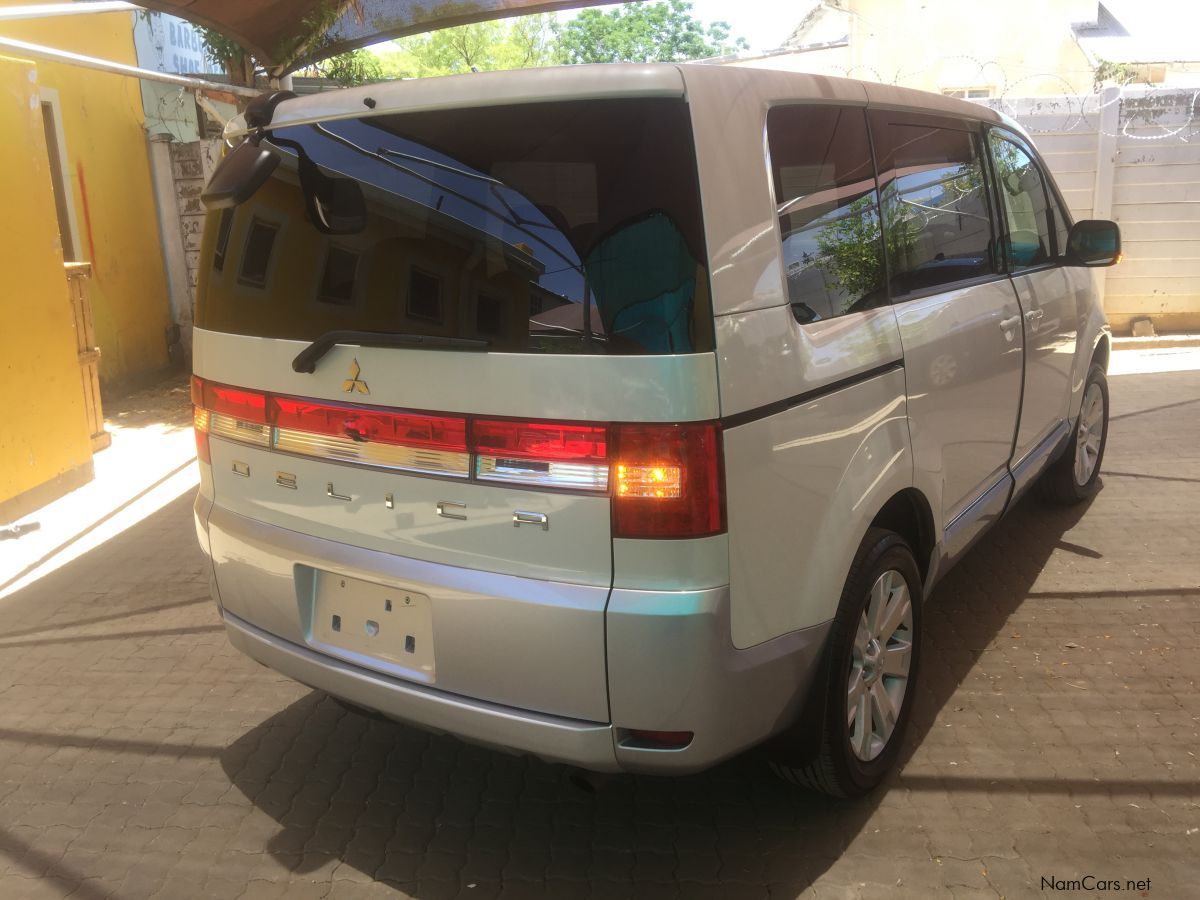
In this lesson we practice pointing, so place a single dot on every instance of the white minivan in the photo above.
(627, 415)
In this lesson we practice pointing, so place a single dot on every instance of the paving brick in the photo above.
(171, 766)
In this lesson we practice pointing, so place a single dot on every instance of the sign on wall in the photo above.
(168, 44)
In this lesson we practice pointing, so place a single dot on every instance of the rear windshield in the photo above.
(542, 228)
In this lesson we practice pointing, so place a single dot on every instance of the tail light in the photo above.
(666, 481)
(670, 481)
(200, 421)
(415, 442)
(571, 456)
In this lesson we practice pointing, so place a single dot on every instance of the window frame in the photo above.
(1054, 205)
(355, 289)
(479, 295)
(269, 268)
(441, 280)
(224, 234)
(863, 109)
(973, 127)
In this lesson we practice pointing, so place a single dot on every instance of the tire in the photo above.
(1067, 480)
(851, 759)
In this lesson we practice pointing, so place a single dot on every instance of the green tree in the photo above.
(643, 32)
(848, 248)
(350, 68)
(353, 67)
(521, 43)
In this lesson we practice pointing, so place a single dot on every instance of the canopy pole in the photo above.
(46, 10)
(37, 51)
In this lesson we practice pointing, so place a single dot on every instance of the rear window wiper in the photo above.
(306, 360)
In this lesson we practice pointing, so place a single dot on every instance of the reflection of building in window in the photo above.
(542, 300)
(222, 239)
(424, 295)
(489, 314)
(256, 256)
(337, 281)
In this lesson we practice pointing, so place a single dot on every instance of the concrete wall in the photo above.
(1027, 47)
(1132, 155)
(110, 187)
(45, 449)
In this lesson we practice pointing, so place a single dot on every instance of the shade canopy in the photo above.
(276, 31)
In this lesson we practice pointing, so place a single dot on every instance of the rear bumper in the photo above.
(669, 663)
(586, 744)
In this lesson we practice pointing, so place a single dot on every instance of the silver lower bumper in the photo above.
(667, 663)
(586, 744)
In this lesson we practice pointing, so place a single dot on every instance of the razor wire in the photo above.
(1081, 109)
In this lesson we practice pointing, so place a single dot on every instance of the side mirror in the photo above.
(242, 172)
(1094, 243)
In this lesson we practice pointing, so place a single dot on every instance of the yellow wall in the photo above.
(43, 429)
(111, 184)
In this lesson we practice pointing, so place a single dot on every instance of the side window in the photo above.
(1022, 190)
(937, 222)
(828, 210)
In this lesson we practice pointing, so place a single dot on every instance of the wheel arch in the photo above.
(1102, 352)
(908, 513)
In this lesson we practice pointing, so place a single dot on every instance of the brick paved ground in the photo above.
(1056, 735)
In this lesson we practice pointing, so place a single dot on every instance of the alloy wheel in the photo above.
(1090, 431)
(879, 667)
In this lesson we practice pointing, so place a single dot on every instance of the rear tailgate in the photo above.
(444, 515)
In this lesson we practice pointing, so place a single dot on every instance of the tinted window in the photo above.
(548, 227)
(1029, 240)
(337, 283)
(937, 221)
(828, 210)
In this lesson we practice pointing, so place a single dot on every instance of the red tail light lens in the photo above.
(367, 425)
(245, 406)
(568, 455)
(541, 440)
(657, 740)
(669, 481)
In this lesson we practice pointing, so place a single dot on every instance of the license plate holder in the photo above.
(374, 625)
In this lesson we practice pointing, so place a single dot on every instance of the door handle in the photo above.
(1009, 326)
(521, 517)
(329, 492)
(1034, 315)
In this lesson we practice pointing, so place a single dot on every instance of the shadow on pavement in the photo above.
(422, 811)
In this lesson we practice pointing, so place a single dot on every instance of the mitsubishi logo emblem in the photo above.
(354, 383)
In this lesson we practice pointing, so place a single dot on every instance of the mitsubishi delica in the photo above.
(627, 415)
